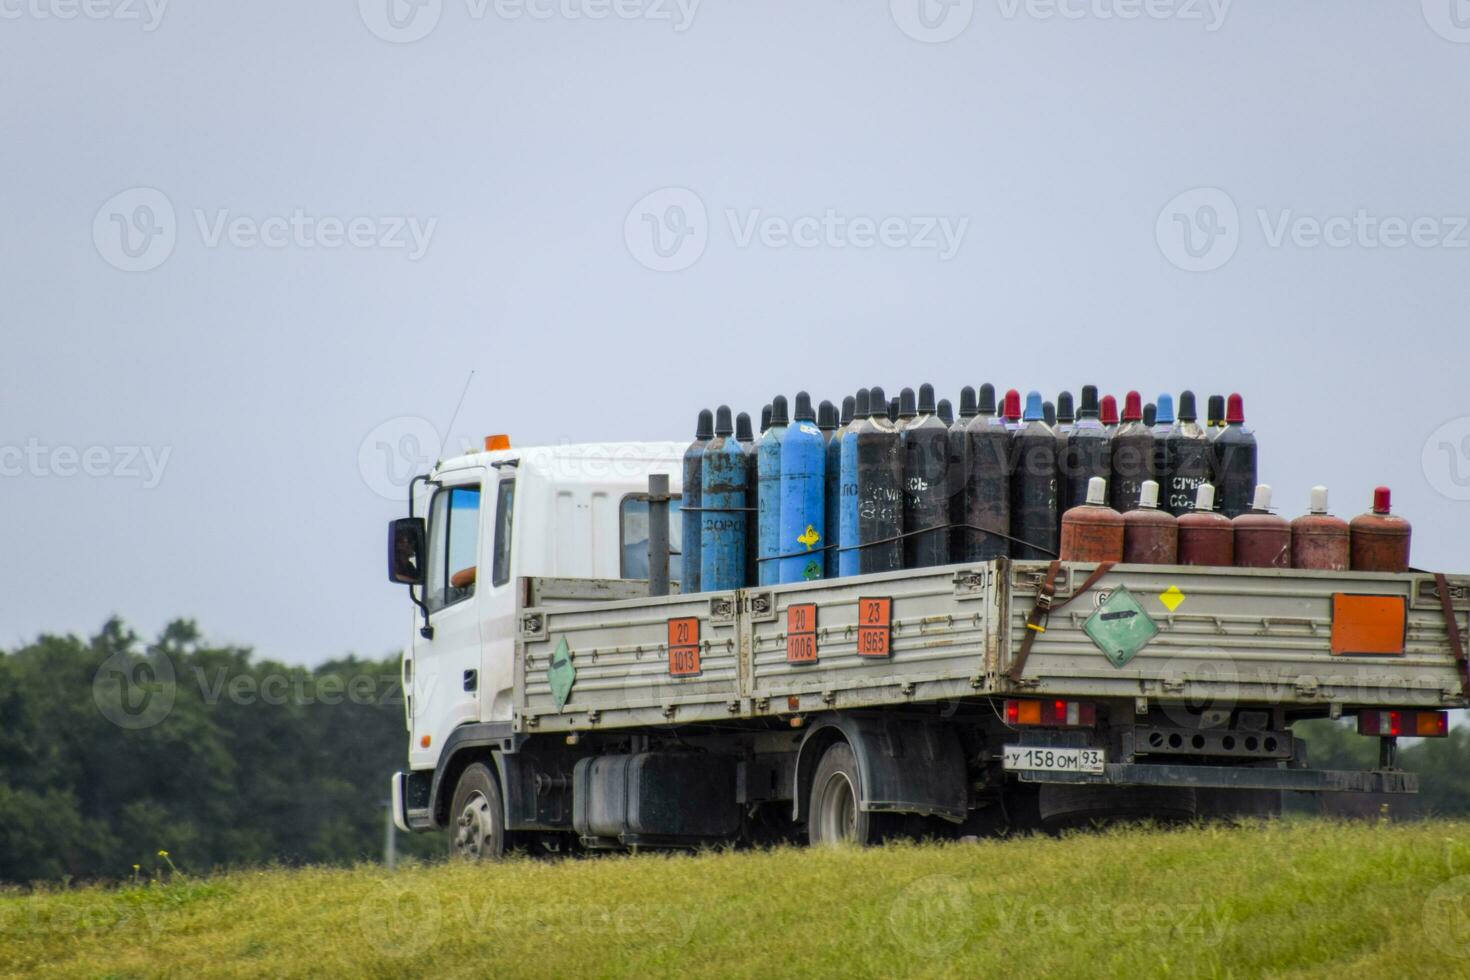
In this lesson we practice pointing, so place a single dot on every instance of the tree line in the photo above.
(113, 749)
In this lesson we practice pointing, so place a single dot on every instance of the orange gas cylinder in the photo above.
(1380, 540)
(1093, 531)
(1262, 539)
(1150, 535)
(1319, 540)
(1205, 537)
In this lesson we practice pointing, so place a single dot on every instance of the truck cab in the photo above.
(481, 522)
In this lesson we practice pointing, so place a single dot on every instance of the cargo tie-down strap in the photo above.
(1452, 625)
(1041, 613)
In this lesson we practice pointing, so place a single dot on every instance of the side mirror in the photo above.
(406, 551)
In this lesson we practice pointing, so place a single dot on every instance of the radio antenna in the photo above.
(460, 404)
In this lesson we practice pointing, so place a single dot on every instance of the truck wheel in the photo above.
(833, 816)
(1239, 804)
(1065, 805)
(476, 818)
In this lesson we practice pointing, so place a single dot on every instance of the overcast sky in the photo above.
(242, 244)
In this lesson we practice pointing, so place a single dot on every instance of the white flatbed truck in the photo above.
(553, 704)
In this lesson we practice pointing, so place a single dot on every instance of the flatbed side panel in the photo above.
(1239, 636)
(939, 621)
(619, 650)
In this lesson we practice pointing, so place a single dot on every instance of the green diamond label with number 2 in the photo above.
(1120, 627)
(560, 674)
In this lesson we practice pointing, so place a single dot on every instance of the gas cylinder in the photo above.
(1049, 413)
(768, 494)
(1150, 414)
(1319, 540)
(833, 494)
(724, 483)
(1380, 539)
(848, 554)
(1109, 414)
(1034, 524)
(1262, 539)
(827, 419)
(907, 408)
(894, 408)
(746, 438)
(879, 491)
(1011, 409)
(945, 411)
(1214, 417)
(987, 483)
(1161, 426)
(925, 490)
(1189, 457)
(957, 472)
(689, 503)
(1233, 460)
(803, 527)
(1205, 537)
(1066, 418)
(765, 418)
(1150, 535)
(1133, 456)
(1089, 452)
(1092, 531)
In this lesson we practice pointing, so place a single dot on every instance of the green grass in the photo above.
(1286, 899)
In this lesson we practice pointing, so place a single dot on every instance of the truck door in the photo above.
(445, 665)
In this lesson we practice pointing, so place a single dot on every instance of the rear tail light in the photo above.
(1412, 724)
(1052, 714)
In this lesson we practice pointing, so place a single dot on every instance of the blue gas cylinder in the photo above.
(690, 497)
(803, 496)
(768, 505)
(724, 490)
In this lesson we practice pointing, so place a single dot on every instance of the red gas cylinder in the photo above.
(1150, 535)
(1205, 537)
(1319, 540)
(1262, 539)
(1093, 531)
(1380, 541)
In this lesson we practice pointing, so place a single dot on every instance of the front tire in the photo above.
(833, 814)
(476, 817)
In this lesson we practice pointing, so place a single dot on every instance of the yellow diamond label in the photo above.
(1171, 597)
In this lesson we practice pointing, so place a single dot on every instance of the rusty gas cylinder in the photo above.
(1093, 531)
(1319, 540)
(1380, 540)
(1150, 535)
(1262, 539)
(1205, 537)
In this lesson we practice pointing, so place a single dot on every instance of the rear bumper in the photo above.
(1233, 777)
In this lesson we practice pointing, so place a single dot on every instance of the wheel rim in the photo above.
(475, 827)
(839, 814)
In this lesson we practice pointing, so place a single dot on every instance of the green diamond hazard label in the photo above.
(560, 674)
(1120, 627)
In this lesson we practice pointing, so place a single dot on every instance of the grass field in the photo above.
(1286, 899)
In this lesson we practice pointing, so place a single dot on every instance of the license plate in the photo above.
(1032, 758)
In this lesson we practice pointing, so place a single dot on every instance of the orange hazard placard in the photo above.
(684, 647)
(1373, 624)
(801, 634)
(875, 627)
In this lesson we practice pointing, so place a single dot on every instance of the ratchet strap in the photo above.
(1041, 613)
(1452, 625)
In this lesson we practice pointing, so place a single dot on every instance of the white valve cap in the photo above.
(1263, 497)
(1319, 500)
(1097, 491)
(1204, 498)
(1148, 495)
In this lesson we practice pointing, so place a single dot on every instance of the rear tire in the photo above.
(833, 814)
(1239, 804)
(1064, 806)
(476, 817)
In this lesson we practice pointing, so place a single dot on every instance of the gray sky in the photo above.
(845, 194)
